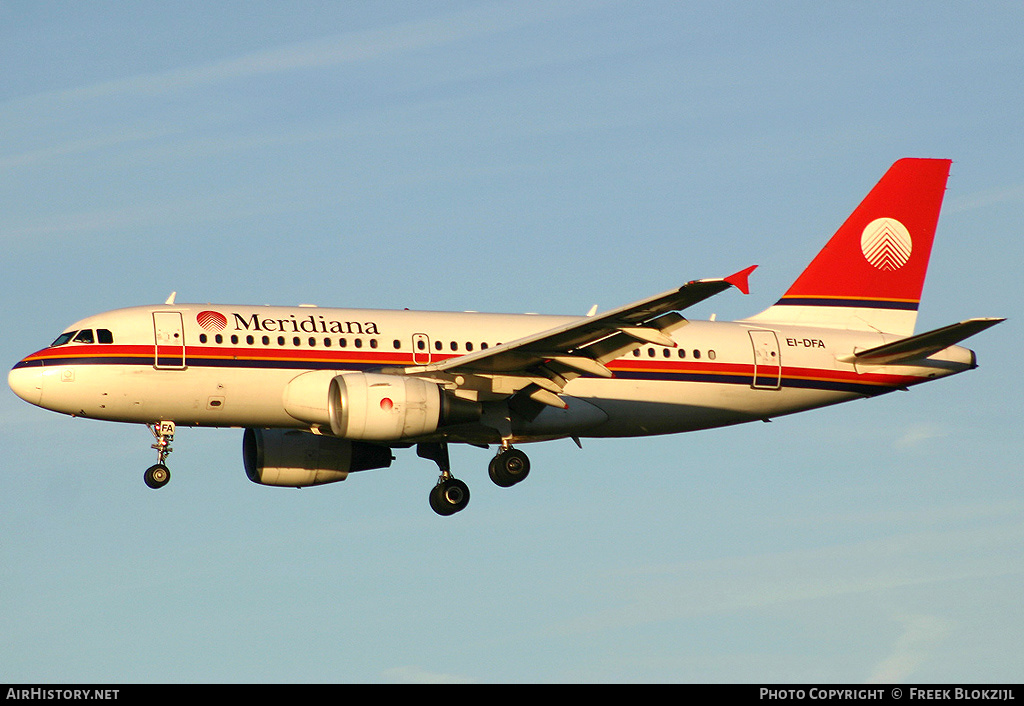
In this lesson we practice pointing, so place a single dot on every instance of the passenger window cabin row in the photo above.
(652, 352)
(327, 342)
(104, 336)
(421, 345)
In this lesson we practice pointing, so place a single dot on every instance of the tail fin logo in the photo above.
(886, 244)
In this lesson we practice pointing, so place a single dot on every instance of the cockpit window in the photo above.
(102, 335)
(64, 338)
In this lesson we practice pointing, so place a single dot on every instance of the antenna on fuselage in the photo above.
(170, 299)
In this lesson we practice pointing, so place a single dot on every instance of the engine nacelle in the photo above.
(375, 406)
(296, 459)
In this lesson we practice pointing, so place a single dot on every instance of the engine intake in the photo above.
(296, 459)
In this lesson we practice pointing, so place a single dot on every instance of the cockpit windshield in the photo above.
(63, 338)
(101, 335)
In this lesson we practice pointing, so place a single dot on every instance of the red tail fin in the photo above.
(871, 273)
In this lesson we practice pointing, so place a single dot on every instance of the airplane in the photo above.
(325, 392)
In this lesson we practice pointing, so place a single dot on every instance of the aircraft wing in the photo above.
(547, 360)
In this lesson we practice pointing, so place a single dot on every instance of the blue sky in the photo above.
(506, 156)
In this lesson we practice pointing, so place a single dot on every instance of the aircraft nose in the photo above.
(27, 383)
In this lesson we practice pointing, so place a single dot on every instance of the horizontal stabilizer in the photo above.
(922, 345)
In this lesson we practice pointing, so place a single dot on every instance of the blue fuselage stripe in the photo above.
(689, 375)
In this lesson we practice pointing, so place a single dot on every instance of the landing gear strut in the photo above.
(156, 476)
(450, 495)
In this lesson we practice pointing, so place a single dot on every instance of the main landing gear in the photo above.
(450, 495)
(508, 467)
(156, 476)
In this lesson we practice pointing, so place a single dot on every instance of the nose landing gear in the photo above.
(156, 476)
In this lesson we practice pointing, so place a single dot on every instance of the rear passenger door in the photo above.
(767, 361)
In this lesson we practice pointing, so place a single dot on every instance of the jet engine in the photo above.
(375, 406)
(294, 459)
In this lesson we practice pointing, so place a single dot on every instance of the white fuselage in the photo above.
(229, 366)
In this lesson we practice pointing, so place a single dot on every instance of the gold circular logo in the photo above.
(886, 244)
